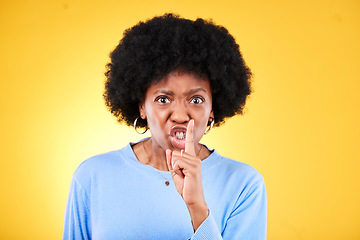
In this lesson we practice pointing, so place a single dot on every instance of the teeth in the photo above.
(180, 135)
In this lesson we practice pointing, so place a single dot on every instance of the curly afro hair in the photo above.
(150, 50)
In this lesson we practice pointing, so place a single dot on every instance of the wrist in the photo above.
(198, 214)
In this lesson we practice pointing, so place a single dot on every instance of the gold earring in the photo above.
(211, 126)
(135, 122)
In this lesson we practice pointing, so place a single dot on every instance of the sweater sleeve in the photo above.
(208, 230)
(247, 221)
(77, 214)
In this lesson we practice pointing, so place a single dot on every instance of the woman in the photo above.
(178, 78)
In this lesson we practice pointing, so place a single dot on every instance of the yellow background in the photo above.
(301, 129)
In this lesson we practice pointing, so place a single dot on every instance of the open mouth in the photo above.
(178, 136)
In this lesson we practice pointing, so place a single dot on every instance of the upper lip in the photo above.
(177, 128)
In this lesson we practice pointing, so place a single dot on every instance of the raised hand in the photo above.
(185, 168)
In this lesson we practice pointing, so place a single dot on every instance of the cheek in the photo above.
(156, 118)
(200, 129)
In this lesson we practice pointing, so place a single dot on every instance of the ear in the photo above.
(211, 116)
(142, 110)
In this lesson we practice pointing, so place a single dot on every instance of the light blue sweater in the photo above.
(114, 196)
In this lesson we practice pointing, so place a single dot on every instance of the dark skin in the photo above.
(179, 101)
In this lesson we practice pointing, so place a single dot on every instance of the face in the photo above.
(171, 103)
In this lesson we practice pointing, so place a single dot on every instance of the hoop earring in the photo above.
(135, 122)
(211, 126)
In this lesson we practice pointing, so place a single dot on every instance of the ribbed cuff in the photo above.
(208, 230)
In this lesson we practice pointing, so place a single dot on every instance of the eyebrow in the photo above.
(192, 91)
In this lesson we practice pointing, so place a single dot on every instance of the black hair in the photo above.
(150, 50)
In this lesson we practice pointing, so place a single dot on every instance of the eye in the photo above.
(162, 99)
(197, 100)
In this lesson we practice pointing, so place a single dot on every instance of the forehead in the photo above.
(181, 82)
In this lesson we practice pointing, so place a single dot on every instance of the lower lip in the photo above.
(177, 143)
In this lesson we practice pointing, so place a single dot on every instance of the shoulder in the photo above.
(237, 167)
(100, 165)
(97, 161)
(231, 166)
(233, 172)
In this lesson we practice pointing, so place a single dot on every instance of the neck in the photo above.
(154, 155)
(149, 153)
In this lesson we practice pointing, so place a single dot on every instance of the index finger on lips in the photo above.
(189, 141)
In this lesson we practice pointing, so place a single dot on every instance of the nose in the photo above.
(179, 114)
